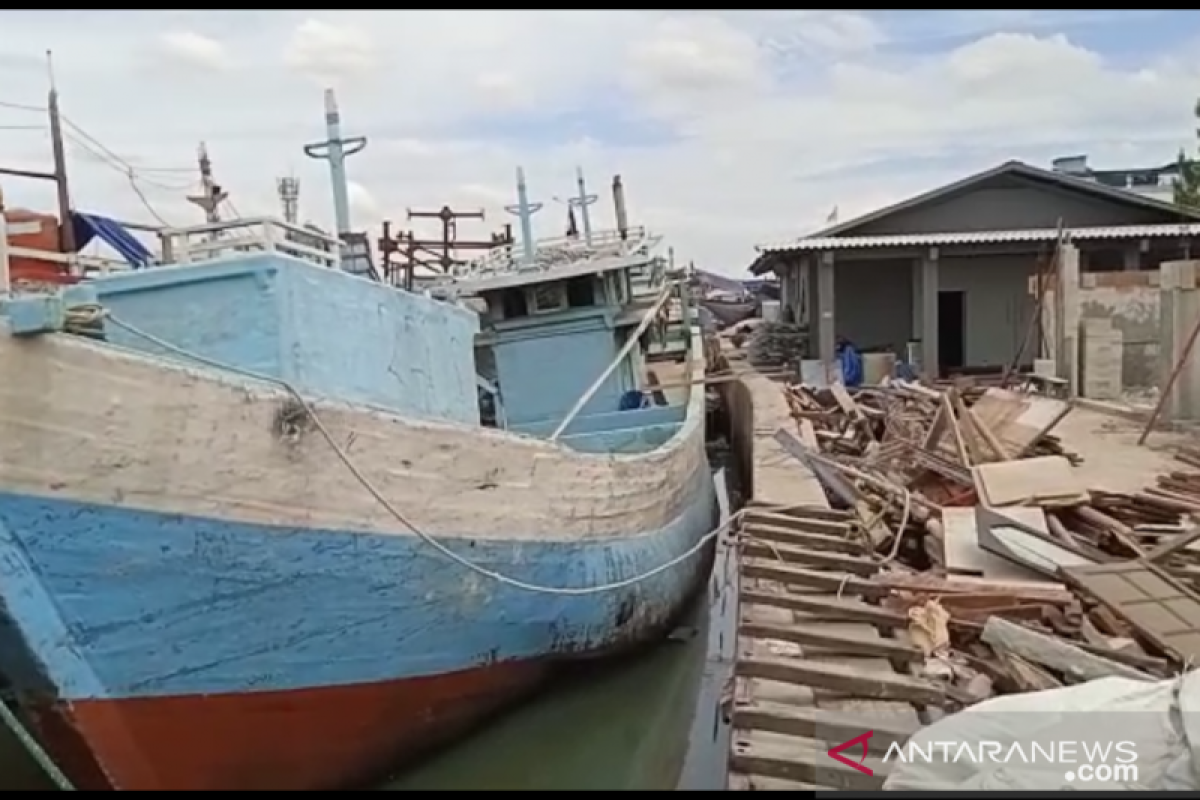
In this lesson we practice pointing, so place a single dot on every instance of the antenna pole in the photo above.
(289, 198)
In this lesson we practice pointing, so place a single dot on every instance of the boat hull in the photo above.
(301, 739)
(184, 653)
(731, 313)
(195, 593)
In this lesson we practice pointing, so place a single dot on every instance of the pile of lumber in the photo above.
(775, 344)
(1013, 575)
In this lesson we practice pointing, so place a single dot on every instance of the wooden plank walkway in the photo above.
(817, 664)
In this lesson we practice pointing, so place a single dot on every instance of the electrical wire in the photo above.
(101, 153)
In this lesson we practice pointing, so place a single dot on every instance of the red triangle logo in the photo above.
(836, 752)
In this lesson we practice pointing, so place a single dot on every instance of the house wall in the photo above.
(998, 305)
(873, 303)
(1010, 204)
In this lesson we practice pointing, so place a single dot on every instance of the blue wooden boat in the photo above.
(257, 537)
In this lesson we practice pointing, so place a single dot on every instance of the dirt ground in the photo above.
(1112, 458)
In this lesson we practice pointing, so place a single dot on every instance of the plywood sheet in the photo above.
(1015, 418)
(1030, 481)
(963, 553)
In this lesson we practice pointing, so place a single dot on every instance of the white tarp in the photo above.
(1158, 721)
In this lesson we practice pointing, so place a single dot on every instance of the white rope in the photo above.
(366, 483)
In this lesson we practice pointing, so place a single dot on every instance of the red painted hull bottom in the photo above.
(302, 740)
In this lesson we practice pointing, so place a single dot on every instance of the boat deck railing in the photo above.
(558, 251)
(188, 246)
(252, 235)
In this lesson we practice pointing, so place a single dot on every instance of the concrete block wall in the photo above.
(1100, 358)
(1179, 315)
(1129, 303)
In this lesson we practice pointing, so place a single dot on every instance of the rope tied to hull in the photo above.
(35, 751)
(377, 494)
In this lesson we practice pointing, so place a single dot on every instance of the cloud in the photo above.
(728, 127)
(193, 49)
(329, 52)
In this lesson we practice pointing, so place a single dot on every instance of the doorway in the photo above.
(952, 330)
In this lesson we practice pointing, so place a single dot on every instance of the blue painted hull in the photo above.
(105, 604)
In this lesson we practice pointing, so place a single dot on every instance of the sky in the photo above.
(729, 128)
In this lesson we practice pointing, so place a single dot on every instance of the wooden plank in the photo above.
(806, 767)
(808, 434)
(801, 510)
(873, 684)
(840, 527)
(813, 541)
(855, 565)
(827, 608)
(829, 727)
(814, 636)
(845, 584)
(1052, 652)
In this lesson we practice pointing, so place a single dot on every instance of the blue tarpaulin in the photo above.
(88, 227)
(851, 363)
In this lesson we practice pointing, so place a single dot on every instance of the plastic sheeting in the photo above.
(1158, 722)
(93, 226)
(851, 363)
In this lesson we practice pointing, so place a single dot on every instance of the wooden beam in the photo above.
(817, 769)
(855, 565)
(875, 685)
(826, 608)
(1055, 653)
(814, 541)
(829, 727)
(800, 511)
(841, 643)
(829, 527)
(844, 584)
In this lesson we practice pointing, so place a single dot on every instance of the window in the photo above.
(546, 297)
(513, 303)
(581, 291)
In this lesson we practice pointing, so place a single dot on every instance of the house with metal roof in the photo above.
(947, 273)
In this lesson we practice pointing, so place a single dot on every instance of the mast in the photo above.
(66, 229)
(211, 194)
(582, 201)
(524, 210)
(618, 190)
(336, 149)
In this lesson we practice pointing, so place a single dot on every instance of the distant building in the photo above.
(1155, 182)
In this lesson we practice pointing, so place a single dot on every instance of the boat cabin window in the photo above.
(512, 303)
(581, 291)
(547, 297)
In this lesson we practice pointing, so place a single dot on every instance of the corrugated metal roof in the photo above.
(977, 237)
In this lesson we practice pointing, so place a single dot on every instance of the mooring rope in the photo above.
(374, 491)
(35, 750)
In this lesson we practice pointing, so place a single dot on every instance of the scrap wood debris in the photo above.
(1012, 576)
